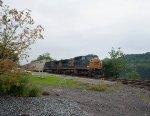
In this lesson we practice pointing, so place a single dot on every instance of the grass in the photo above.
(54, 81)
(57, 81)
(34, 91)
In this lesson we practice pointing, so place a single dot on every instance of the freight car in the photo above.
(88, 65)
(36, 66)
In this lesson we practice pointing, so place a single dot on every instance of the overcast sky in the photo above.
(81, 27)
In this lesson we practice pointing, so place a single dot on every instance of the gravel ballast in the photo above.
(44, 106)
(125, 101)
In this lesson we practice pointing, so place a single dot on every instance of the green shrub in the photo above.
(14, 83)
(34, 92)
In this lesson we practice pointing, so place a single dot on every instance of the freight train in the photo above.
(89, 65)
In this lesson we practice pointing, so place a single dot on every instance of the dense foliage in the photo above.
(45, 56)
(114, 65)
(137, 66)
(17, 83)
(13, 83)
(139, 63)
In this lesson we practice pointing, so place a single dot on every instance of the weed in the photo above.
(146, 99)
(102, 87)
(34, 92)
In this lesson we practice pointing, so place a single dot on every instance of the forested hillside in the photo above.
(139, 63)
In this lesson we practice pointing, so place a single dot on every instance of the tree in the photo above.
(17, 31)
(139, 63)
(107, 67)
(10, 60)
(116, 64)
(45, 56)
(8, 54)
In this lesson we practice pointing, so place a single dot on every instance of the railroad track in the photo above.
(135, 83)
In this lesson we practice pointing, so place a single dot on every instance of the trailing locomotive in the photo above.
(88, 65)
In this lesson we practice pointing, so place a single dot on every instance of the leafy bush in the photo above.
(14, 83)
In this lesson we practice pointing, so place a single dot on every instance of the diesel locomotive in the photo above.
(89, 65)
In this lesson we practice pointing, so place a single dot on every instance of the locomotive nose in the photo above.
(95, 63)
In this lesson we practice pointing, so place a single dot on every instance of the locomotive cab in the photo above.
(95, 63)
